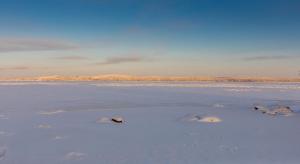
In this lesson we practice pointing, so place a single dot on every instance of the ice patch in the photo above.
(59, 137)
(44, 126)
(75, 156)
(6, 134)
(51, 112)
(218, 106)
(2, 116)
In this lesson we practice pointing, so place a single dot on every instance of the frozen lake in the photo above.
(64, 123)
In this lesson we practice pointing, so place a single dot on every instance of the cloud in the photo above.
(21, 68)
(33, 44)
(16, 68)
(271, 57)
(72, 58)
(124, 59)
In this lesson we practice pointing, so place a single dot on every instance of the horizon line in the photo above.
(124, 77)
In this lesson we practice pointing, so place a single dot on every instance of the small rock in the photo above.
(261, 109)
(117, 119)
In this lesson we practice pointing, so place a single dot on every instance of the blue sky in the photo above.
(154, 37)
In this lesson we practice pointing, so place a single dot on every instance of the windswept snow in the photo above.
(176, 122)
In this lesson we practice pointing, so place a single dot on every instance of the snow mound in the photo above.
(204, 119)
(274, 111)
(210, 119)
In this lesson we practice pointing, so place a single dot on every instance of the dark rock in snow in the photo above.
(203, 119)
(117, 119)
(279, 110)
(261, 109)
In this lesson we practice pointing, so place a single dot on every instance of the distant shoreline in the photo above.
(129, 78)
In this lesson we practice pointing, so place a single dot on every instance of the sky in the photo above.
(150, 37)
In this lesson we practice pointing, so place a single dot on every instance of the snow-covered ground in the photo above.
(164, 123)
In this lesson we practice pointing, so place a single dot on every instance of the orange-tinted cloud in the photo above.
(271, 57)
(72, 58)
(16, 68)
(123, 59)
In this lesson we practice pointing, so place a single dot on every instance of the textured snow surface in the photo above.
(69, 123)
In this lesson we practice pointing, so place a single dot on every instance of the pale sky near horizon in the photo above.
(150, 37)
